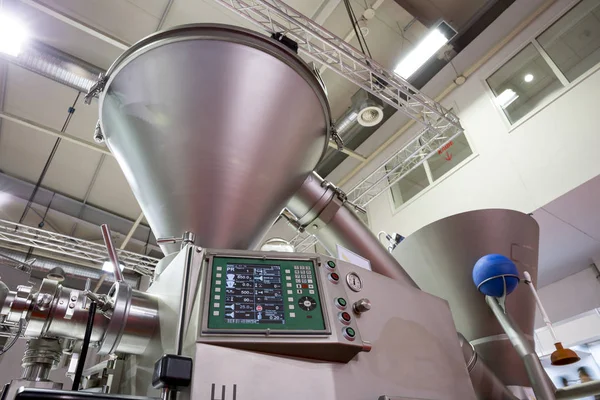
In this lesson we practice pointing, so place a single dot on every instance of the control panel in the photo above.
(269, 294)
(283, 303)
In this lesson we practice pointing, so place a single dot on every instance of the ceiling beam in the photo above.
(53, 132)
(75, 210)
(90, 30)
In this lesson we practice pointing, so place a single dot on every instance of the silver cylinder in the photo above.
(41, 355)
(486, 384)
(440, 257)
(342, 226)
(133, 320)
(215, 127)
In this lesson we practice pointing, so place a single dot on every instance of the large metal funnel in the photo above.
(440, 258)
(215, 127)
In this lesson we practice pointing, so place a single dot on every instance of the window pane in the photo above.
(409, 186)
(573, 42)
(450, 157)
(523, 83)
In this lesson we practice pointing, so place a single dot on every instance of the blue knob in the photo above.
(491, 271)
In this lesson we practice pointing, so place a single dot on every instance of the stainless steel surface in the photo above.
(486, 384)
(361, 306)
(112, 253)
(578, 391)
(41, 355)
(4, 291)
(133, 321)
(414, 355)
(202, 120)
(541, 384)
(440, 257)
(343, 227)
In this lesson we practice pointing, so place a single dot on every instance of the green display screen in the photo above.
(258, 294)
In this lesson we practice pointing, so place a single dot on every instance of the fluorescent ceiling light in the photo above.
(434, 41)
(528, 78)
(12, 34)
(5, 198)
(506, 98)
(108, 267)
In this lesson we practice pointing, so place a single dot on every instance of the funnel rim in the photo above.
(228, 33)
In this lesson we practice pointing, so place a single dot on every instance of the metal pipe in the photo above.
(112, 253)
(578, 391)
(321, 209)
(486, 384)
(541, 384)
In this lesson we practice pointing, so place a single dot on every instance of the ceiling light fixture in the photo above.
(12, 35)
(418, 56)
(528, 78)
(108, 267)
(506, 98)
(370, 115)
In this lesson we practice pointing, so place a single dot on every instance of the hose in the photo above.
(14, 339)
(84, 347)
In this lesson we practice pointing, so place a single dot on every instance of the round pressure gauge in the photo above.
(354, 282)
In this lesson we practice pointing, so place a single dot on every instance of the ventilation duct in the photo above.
(56, 65)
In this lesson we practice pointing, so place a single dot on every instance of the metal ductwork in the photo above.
(56, 65)
(75, 275)
(234, 145)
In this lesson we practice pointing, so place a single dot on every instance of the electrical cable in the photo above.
(71, 111)
(84, 347)
(359, 36)
(14, 339)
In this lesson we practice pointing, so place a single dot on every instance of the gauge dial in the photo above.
(354, 282)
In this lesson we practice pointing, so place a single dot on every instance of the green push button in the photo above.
(342, 302)
(331, 264)
(349, 333)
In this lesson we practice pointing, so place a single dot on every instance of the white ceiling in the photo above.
(569, 232)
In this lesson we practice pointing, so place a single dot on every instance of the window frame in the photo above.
(432, 183)
(566, 85)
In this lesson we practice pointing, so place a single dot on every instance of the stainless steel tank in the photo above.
(440, 258)
(215, 127)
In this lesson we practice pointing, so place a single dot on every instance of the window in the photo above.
(550, 62)
(438, 164)
(409, 186)
(573, 42)
(449, 156)
(523, 83)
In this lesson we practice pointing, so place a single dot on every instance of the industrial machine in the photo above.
(202, 120)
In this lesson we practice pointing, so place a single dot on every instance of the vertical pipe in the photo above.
(540, 382)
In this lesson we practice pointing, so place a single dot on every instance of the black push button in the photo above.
(172, 372)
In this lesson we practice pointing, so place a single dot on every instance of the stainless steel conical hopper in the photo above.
(215, 127)
(440, 258)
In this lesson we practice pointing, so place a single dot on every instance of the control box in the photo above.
(285, 303)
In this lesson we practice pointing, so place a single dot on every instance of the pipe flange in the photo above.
(19, 308)
(120, 297)
(44, 306)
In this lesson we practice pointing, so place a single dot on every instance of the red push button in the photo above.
(334, 277)
(344, 318)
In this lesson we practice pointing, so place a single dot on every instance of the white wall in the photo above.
(522, 169)
(573, 295)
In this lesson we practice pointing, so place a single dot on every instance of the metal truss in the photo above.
(407, 159)
(325, 48)
(67, 246)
